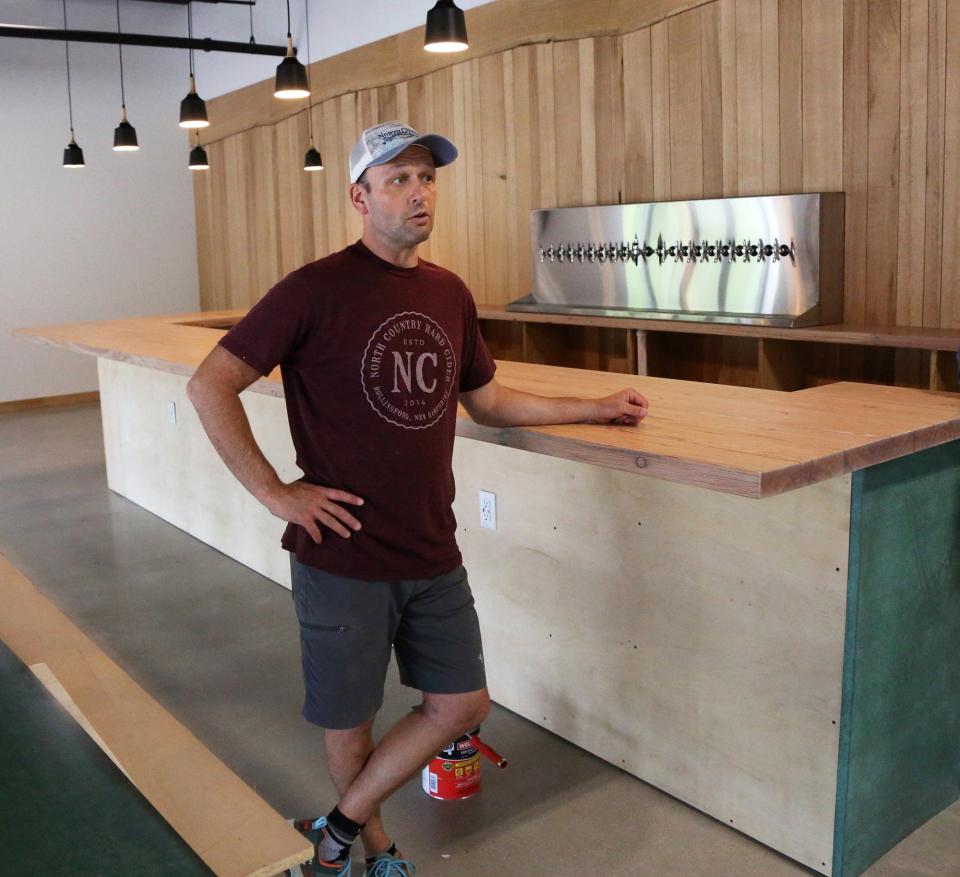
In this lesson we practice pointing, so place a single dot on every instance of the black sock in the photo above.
(392, 851)
(340, 834)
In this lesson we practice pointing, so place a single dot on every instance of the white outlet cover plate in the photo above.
(488, 510)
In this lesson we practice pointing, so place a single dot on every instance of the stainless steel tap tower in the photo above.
(773, 260)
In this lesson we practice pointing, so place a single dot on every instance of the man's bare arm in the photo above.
(215, 391)
(496, 405)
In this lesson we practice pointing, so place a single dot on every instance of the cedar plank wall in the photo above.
(661, 99)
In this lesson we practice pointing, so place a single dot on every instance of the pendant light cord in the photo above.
(189, 32)
(289, 33)
(306, 10)
(252, 40)
(123, 96)
(67, 45)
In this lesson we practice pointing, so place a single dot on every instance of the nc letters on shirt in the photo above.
(408, 370)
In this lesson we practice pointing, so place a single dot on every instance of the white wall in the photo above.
(118, 238)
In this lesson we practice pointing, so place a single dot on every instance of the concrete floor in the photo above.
(216, 644)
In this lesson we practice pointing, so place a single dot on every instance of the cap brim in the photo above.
(442, 150)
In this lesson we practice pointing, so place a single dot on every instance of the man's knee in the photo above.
(458, 713)
(356, 741)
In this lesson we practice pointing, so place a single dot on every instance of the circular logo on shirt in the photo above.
(408, 370)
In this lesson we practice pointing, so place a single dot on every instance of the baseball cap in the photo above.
(377, 145)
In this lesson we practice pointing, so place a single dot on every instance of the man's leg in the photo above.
(347, 753)
(407, 747)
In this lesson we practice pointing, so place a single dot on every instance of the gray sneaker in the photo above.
(386, 865)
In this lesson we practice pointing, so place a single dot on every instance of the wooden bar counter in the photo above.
(751, 600)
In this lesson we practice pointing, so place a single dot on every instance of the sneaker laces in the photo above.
(391, 866)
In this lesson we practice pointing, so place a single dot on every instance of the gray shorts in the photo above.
(347, 629)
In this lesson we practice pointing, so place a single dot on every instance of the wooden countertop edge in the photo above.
(720, 478)
(845, 462)
(713, 476)
(176, 368)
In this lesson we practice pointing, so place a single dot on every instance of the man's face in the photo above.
(399, 208)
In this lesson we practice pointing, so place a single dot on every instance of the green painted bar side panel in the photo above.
(65, 808)
(900, 724)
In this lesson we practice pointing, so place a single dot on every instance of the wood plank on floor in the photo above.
(234, 831)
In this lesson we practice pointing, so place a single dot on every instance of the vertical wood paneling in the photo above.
(587, 69)
(770, 92)
(609, 101)
(419, 100)
(368, 110)
(218, 255)
(547, 114)
(731, 98)
(711, 98)
(749, 91)
(236, 241)
(933, 199)
(566, 96)
(513, 198)
(660, 69)
(387, 102)
(203, 206)
(440, 93)
(493, 161)
(455, 191)
(883, 160)
(950, 276)
(262, 213)
(328, 208)
(728, 107)
(822, 44)
(403, 106)
(341, 226)
(790, 24)
(471, 157)
(523, 150)
(294, 216)
(911, 243)
(685, 106)
(638, 117)
(856, 54)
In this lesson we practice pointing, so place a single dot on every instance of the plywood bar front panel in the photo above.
(693, 639)
(172, 470)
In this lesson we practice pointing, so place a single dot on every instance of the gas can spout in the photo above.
(490, 753)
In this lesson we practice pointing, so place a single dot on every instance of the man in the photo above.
(375, 348)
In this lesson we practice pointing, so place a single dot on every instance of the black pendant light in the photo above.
(124, 135)
(291, 75)
(198, 157)
(73, 154)
(312, 160)
(446, 28)
(193, 110)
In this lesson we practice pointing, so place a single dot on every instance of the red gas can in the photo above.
(454, 774)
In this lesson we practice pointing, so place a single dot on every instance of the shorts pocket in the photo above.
(330, 628)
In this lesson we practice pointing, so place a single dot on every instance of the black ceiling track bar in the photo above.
(131, 39)
(185, 2)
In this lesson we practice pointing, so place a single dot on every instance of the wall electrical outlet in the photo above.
(172, 412)
(488, 510)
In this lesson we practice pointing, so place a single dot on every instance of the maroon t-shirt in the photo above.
(373, 358)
